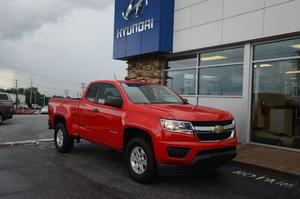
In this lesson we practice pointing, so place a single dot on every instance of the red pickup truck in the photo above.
(159, 131)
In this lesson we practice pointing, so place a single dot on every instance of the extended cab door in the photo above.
(109, 118)
(88, 110)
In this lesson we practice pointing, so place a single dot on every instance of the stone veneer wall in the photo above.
(147, 69)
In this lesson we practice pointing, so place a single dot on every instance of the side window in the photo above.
(93, 92)
(4, 97)
(108, 90)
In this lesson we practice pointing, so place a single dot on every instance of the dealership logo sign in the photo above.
(133, 11)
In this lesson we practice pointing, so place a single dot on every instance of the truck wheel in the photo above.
(63, 142)
(140, 161)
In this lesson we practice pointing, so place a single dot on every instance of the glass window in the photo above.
(276, 103)
(108, 90)
(186, 62)
(151, 94)
(92, 93)
(222, 80)
(182, 81)
(289, 48)
(3, 97)
(235, 55)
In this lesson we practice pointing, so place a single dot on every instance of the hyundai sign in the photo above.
(143, 27)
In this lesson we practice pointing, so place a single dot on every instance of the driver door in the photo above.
(109, 118)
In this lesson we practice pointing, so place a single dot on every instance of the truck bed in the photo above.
(67, 108)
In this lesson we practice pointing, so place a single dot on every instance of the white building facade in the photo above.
(242, 56)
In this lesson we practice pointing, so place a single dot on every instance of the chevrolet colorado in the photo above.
(159, 131)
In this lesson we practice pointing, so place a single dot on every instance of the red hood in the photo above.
(187, 112)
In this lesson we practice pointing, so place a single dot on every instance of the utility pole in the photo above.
(66, 93)
(17, 93)
(30, 91)
(35, 97)
(44, 100)
(82, 87)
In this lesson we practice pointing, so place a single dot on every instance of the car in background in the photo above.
(36, 107)
(6, 107)
(44, 110)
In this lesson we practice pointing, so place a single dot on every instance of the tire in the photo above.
(1, 119)
(63, 142)
(145, 173)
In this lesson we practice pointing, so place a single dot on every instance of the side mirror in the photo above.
(114, 101)
(186, 101)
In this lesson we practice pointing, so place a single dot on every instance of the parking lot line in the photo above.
(25, 142)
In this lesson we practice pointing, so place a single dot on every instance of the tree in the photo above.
(37, 97)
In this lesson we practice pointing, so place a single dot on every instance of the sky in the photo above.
(57, 43)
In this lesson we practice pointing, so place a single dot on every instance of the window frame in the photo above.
(102, 90)
(198, 67)
(196, 78)
(100, 85)
(251, 89)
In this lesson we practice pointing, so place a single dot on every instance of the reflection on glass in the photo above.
(225, 80)
(183, 82)
(186, 62)
(289, 48)
(222, 57)
(276, 103)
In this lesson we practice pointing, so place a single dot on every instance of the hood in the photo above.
(188, 112)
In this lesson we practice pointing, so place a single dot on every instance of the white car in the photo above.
(44, 110)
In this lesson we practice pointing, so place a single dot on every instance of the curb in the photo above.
(289, 173)
(25, 142)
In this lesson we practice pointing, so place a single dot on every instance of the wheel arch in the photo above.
(133, 132)
(59, 119)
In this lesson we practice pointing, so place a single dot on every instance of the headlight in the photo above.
(177, 126)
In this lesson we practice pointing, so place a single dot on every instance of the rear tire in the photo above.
(63, 142)
(140, 161)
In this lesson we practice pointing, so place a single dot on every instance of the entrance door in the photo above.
(276, 94)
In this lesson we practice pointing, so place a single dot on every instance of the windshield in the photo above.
(151, 94)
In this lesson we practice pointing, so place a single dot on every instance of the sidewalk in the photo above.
(269, 158)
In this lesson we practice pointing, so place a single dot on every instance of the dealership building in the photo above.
(242, 56)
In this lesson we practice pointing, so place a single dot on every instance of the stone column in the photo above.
(146, 69)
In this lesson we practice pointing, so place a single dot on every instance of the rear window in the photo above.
(4, 97)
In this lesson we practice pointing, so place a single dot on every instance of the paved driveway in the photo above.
(89, 171)
(29, 127)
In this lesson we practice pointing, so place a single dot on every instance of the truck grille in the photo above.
(210, 137)
(222, 123)
(214, 131)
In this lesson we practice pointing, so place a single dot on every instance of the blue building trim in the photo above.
(148, 32)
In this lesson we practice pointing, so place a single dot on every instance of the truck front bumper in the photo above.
(203, 161)
(186, 154)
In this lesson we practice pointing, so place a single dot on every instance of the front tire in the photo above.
(140, 161)
(63, 142)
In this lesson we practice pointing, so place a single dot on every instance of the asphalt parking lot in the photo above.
(22, 128)
(89, 171)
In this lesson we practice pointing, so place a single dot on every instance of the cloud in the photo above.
(20, 17)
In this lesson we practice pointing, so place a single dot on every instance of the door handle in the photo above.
(95, 111)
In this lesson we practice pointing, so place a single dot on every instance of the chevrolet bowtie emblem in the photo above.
(134, 9)
(218, 129)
